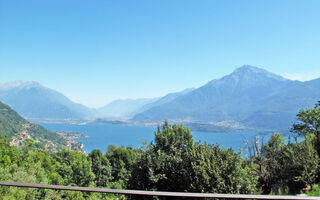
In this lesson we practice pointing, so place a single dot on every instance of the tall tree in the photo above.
(122, 160)
(100, 167)
(170, 157)
(309, 123)
(74, 168)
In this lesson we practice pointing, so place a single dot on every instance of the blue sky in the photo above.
(99, 50)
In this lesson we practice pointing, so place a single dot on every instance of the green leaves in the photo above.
(309, 124)
(219, 170)
(309, 127)
(286, 167)
(173, 162)
(75, 168)
(101, 168)
(176, 163)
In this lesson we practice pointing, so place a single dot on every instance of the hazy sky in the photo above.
(95, 51)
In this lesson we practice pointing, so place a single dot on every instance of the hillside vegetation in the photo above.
(172, 162)
(16, 130)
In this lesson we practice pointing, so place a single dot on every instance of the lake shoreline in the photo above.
(100, 136)
(70, 138)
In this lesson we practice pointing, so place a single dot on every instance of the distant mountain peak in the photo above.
(247, 68)
(19, 84)
(37, 102)
(250, 96)
(246, 71)
(250, 69)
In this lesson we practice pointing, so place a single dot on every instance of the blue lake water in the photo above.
(102, 135)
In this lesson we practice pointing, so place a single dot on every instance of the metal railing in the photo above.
(155, 193)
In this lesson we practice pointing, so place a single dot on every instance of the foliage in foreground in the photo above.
(315, 191)
(173, 162)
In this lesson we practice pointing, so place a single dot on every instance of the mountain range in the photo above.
(128, 108)
(36, 102)
(124, 108)
(249, 96)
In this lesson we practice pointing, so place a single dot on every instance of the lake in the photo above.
(102, 135)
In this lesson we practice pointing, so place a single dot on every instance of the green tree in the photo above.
(217, 170)
(272, 152)
(122, 160)
(300, 167)
(170, 154)
(286, 167)
(100, 167)
(174, 162)
(8, 155)
(74, 168)
(309, 124)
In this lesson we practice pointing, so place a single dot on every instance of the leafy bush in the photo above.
(315, 191)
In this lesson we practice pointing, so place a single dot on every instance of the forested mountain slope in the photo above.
(17, 130)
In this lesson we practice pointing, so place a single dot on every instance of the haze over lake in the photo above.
(102, 135)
